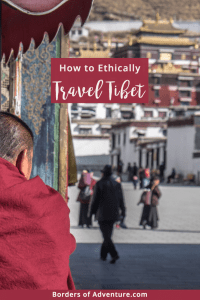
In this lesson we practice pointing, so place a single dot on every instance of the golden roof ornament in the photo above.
(130, 41)
(196, 46)
(157, 17)
(109, 42)
(95, 46)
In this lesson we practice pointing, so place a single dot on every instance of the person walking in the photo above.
(106, 204)
(141, 177)
(145, 199)
(162, 170)
(120, 168)
(129, 171)
(135, 175)
(150, 212)
(85, 196)
(155, 196)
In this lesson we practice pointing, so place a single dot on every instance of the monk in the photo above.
(35, 239)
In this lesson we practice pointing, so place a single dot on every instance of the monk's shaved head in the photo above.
(15, 136)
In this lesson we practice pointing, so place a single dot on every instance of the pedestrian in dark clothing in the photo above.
(162, 169)
(146, 208)
(85, 180)
(155, 195)
(135, 175)
(172, 176)
(141, 177)
(129, 170)
(120, 168)
(106, 203)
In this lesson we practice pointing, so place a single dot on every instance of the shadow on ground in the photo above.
(141, 266)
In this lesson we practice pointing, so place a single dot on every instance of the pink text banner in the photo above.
(100, 80)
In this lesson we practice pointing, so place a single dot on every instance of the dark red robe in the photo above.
(35, 239)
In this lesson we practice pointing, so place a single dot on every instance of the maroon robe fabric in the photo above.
(35, 241)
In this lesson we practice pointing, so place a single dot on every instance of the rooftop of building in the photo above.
(140, 123)
(160, 26)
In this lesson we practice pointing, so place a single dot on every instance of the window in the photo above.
(157, 94)
(180, 113)
(185, 103)
(113, 141)
(88, 109)
(185, 83)
(183, 94)
(124, 139)
(127, 114)
(194, 70)
(156, 80)
(148, 114)
(108, 112)
(165, 132)
(105, 130)
(162, 114)
(74, 107)
(79, 31)
(85, 130)
(119, 139)
(73, 32)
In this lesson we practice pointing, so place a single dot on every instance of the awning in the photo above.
(26, 19)
(106, 126)
(115, 152)
(140, 130)
(85, 126)
(185, 99)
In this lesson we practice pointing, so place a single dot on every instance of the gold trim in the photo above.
(165, 41)
(168, 68)
(94, 54)
(145, 29)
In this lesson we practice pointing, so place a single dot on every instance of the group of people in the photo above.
(141, 175)
(104, 199)
(35, 234)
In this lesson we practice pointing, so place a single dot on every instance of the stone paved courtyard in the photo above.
(166, 258)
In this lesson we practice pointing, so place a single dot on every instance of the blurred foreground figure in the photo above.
(35, 242)
(106, 204)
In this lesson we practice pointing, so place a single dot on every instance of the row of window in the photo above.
(89, 130)
(182, 94)
(79, 31)
(164, 56)
(164, 80)
(114, 137)
(149, 114)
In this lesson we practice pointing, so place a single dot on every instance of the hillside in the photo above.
(139, 9)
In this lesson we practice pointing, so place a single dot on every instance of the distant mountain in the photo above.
(143, 9)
